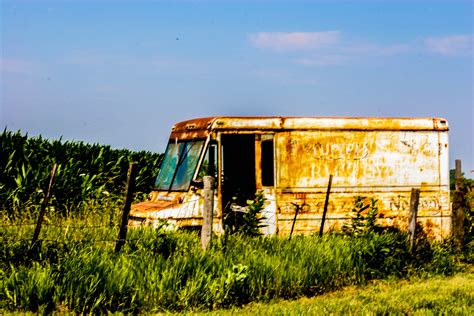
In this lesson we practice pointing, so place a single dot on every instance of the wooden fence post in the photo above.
(457, 173)
(208, 211)
(129, 189)
(457, 216)
(414, 201)
(326, 203)
(43, 206)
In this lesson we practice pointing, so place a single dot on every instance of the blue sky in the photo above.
(122, 72)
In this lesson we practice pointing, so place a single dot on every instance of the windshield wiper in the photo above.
(185, 155)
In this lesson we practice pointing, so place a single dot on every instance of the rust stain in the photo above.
(144, 209)
(201, 127)
(381, 158)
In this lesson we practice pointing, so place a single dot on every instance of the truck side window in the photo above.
(267, 162)
(209, 163)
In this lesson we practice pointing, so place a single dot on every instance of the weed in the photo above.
(247, 222)
(364, 218)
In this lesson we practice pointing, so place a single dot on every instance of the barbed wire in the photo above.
(60, 226)
(17, 224)
(181, 211)
(83, 240)
(80, 226)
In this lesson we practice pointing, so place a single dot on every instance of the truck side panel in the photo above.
(383, 164)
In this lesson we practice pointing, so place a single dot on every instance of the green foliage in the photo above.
(469, 220)
(77, 270)
(444, 258)
(249, 222)
(468, 197)
(85, 172)
(452, 180)
(386, 254)
(29, 288)
(252, 220)
(364, 218)
(466, 189)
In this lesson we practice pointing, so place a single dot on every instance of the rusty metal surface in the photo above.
(328, 123)
(182, 208)
(201, 127)
(381, 164)
(393, 210)
(381, 158)
(358, 158)
(192, 129)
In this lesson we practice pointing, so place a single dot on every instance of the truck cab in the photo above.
(241, 161)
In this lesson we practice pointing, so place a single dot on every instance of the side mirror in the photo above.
(197, 183)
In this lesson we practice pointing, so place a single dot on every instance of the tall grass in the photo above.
(168, 271)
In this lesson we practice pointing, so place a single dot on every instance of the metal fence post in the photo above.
(326, 203)
(297, 209)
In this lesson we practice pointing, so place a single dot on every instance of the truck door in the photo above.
(238, 169)
(265, 167)
(248, 166)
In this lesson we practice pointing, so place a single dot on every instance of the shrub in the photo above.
(364, 218)
(248, 221)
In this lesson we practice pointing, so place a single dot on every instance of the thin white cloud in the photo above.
(452, 45)
(327, 49)
(324, 48)
(290, 41)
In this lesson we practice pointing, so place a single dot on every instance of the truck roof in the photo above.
(201, 127)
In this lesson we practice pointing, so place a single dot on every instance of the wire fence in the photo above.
(85, 241)
(70, 232)
(59, 225)
(66, 236)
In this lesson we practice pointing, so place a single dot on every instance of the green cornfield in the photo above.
(85, 173)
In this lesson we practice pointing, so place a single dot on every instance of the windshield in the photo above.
(179, 165)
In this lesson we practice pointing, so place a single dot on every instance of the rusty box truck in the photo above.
(290, 159)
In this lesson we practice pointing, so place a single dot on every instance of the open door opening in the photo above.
(238, 169)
